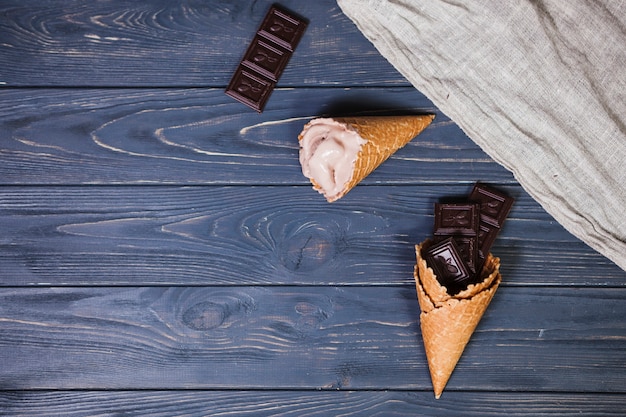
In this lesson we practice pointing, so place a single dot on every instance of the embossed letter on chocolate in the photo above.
(266, 58)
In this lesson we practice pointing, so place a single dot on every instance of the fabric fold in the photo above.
(540, 86)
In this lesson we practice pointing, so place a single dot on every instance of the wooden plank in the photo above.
(161, 253)
(141, 235)
(539, 340)
(310, 404)
(201, 136)
(160, 43)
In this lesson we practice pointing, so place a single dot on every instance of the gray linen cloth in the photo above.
(540, 86)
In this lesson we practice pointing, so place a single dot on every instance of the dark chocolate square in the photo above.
(494, 204)
(283, 28)
(266, 59)
(486, 237)
(445, 260)
(457, 219)
(468, 248)
(250, 89)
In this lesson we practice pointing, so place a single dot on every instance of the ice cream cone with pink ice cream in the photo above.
(337, 153)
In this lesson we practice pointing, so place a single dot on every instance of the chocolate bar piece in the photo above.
(494, 208)
(468, 249)
(283, 28)
(460, 221)
(486, 237)
(494, 205)
(446, 261)
(457, 219)
(250, 89)
(266, 58)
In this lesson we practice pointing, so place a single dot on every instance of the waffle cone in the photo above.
(448, 322)
(384, 135)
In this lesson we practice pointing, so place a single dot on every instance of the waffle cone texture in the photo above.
(384, 135)
(448, 322)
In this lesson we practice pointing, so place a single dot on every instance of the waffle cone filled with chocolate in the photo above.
(448, 321)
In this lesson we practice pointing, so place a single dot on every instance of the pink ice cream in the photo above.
(328, 150)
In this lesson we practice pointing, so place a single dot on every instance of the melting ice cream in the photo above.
(328, 151)
(336, 154)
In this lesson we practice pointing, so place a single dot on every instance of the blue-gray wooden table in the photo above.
(161, 253)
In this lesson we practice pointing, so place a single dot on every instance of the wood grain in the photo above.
(161, 253)
(194, 403)
(202, 136)
(261, 235)
(566, 339)
(163, 43)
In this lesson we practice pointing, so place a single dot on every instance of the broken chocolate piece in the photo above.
(461, 222)
(446, 261)
(457, 219)
(494, 205)
(266, 58)
(468, 248)
(494, 208)
(486, 237)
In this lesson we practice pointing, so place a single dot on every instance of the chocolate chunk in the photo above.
(457, 219)
(250, 89)
(494, 204)
(468, 249)
(461, 222)
(283, 28)
(266, 58)
(446, 261)
(486, 237)
(494, 208)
